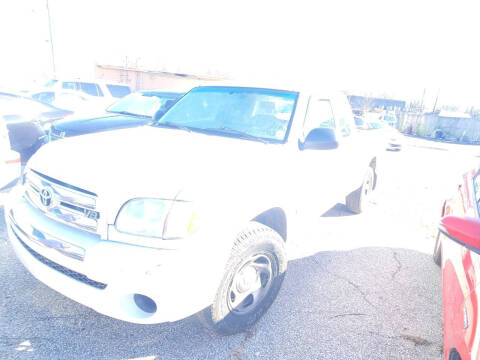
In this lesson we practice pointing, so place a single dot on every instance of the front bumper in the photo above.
(111, 273)
(394, 144)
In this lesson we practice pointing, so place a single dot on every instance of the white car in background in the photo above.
(76, 95)
(384, 131)
(390, 119)
(81, 104)
(392, 136)
(10, 162)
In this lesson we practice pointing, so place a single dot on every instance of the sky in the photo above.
(391, 48)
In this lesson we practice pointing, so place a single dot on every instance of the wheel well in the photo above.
(274, 218)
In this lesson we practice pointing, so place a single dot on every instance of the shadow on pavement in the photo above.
(365, 303)
(338, 210)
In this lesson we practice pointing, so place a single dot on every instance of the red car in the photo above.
(457, 251)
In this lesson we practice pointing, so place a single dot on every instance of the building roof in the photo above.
(180, 67)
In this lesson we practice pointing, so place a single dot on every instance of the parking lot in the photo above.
(363, 286)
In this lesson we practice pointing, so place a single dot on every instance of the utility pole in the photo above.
(436, 99)
(423, 99)
(51, 41)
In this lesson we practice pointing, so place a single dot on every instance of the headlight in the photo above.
(167, 219)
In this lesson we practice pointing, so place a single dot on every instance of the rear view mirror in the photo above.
(163, 109)
(158, 114)
(320, 139)
(463, 230)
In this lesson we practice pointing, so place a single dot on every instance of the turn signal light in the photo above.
(13, 161)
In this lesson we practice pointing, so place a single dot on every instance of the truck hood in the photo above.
(155, 162)
(79, 126)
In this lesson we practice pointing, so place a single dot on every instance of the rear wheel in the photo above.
(454, 355)
(359, 200)
(253, 277)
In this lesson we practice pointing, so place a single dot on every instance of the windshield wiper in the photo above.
(127, 113)
(239, 133)
(171, 125)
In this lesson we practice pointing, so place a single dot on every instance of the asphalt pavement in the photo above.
(360, 287)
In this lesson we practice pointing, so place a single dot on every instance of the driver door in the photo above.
(322, 170)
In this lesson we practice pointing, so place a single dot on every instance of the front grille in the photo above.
(69, 204)
(70, 273)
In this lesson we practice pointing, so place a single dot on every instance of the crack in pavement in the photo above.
(237, 353)
(355, 286)
(416, 340)
(399, 265)
(348, 314)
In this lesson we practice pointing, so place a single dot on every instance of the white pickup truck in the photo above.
(191, 214)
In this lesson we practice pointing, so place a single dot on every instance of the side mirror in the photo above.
(320, 139)
(463, 230)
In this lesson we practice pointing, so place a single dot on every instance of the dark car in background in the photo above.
(27, 121)
(136, 109)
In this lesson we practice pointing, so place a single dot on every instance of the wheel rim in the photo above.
(368, 185)
(250, 284)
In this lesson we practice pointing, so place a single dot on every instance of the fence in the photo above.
(453, 128)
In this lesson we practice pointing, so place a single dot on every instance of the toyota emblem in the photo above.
(46, 197)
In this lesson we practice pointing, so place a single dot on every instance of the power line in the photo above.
(51, 41)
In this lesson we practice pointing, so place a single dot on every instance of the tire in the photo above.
(454, 355)
(357, 201)
(437, 251)
(258, 257)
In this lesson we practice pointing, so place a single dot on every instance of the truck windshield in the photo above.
(255, 114)
(144, 104)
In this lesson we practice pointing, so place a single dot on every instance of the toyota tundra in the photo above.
(190, 214)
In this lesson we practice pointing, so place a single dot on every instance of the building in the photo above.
(156, 76)
(364, 103)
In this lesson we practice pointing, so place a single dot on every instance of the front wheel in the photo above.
(253, 277)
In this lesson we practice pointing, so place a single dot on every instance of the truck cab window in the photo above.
(69, 85)
(90, 89)
(344, 117)
(319, 115)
